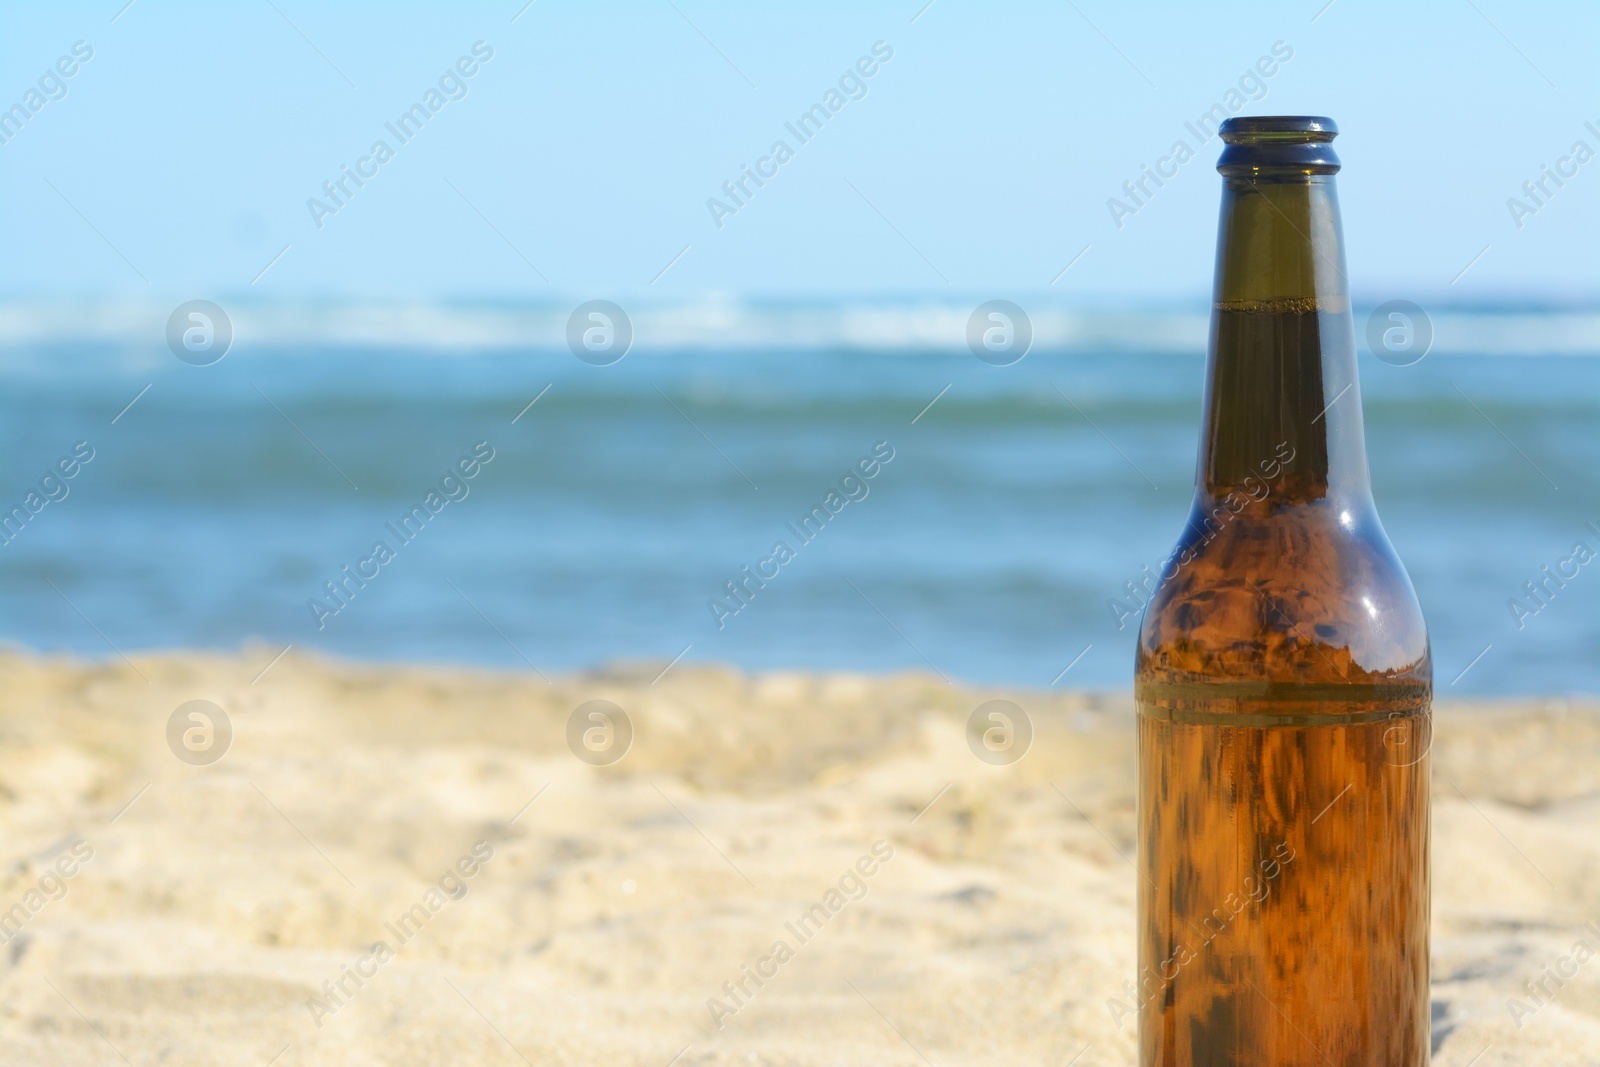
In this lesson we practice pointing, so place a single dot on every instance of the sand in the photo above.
(982, 914)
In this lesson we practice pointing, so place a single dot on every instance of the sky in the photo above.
(581, 154)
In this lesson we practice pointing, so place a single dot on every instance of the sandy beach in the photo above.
(411, 866)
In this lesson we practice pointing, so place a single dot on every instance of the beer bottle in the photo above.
(1283, 676)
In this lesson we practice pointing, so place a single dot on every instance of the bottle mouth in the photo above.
(1278, 145)
(1287, 129)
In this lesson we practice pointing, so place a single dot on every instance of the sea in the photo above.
(630, 515)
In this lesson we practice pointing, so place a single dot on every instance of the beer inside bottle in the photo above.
(1283, 676)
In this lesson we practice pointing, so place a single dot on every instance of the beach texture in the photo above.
(412, 866)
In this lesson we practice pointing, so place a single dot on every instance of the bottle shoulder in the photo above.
(1310, 595)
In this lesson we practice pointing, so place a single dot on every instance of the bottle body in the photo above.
(1283, 681)
(1283, 925)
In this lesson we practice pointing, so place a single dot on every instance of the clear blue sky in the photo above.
(980, 158)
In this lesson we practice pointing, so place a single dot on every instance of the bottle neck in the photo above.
(1282, 420)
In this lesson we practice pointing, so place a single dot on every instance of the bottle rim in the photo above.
(1280, 129)
(1278, 146)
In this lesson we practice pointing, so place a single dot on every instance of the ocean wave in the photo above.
(909, 327)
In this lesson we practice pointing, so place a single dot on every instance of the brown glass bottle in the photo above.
(1283, 677)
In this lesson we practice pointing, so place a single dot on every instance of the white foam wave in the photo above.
(909, 327)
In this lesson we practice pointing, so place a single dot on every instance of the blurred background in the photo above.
(363, 334)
